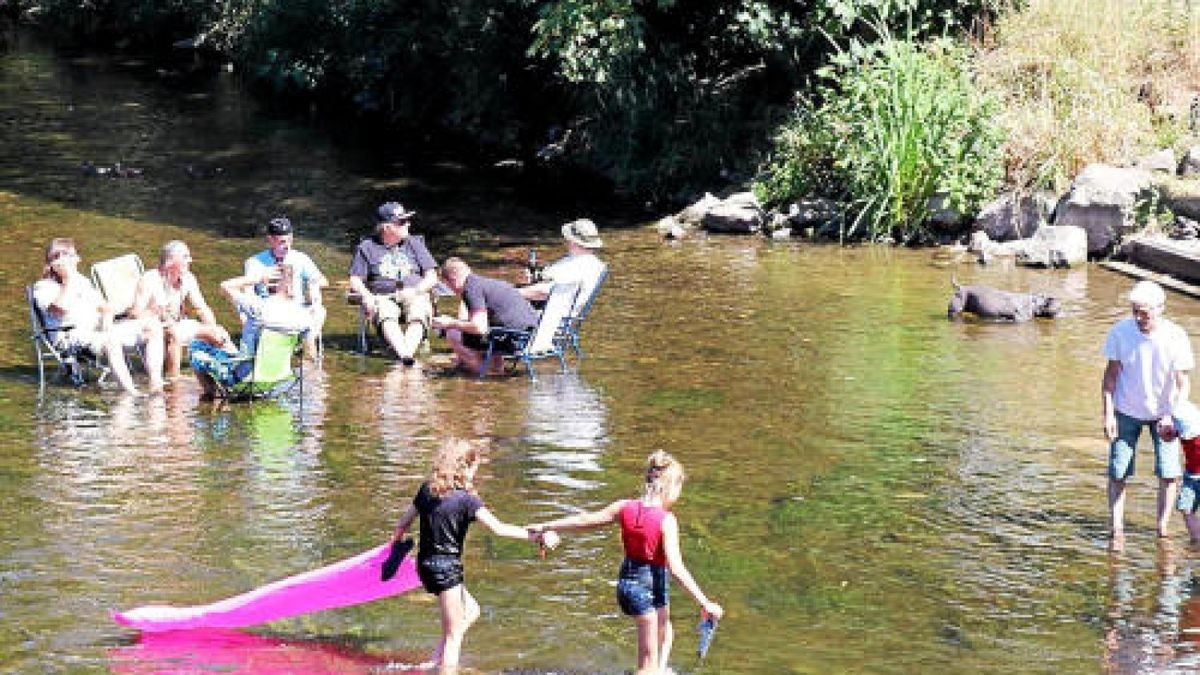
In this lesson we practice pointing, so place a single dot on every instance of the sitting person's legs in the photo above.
(145, 333)
(417, 313)
(178, 335)
(211, 357)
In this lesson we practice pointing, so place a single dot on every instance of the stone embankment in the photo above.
(1144, 216)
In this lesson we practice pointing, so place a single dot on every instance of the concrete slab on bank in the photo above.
(1173, 264)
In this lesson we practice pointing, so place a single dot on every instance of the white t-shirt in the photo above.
(275, 312)
(585, 269)
(81, 305)
(1148, 366)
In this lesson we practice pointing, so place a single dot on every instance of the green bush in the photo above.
(892, 126)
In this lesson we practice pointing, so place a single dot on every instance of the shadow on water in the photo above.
(123, 138)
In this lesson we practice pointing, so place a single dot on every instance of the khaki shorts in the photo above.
(416, 309)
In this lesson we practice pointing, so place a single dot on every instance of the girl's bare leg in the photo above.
(666, 637)
(647, 631)
(459, 611)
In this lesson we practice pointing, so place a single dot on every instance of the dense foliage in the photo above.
(894, 129)
(660, 96)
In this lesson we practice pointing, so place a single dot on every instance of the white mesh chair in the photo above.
(542, 342)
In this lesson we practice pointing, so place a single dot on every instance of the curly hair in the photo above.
(664, 473)
(452, 466)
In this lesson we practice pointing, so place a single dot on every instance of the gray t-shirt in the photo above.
(386, 269)
(506, 307)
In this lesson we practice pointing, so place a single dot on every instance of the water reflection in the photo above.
(567, 426)
(229, 650)
(1141, 639)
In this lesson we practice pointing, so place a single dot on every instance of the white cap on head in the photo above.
(1147, 293)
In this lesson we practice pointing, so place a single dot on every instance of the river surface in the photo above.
(871, 487)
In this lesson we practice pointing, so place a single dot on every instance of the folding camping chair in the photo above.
(542, 342)
(570, 331)
(117, 280)
(73, 363)
(267, 373)
(364, 324)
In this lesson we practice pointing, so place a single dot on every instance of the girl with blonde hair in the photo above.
(446, 504)
(650, 536)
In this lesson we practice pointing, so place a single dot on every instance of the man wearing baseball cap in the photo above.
(307, 279)
(394, 273)
(580, 265)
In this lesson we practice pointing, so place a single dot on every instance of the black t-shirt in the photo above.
(444, 520)
(506, 307)
(387, 269)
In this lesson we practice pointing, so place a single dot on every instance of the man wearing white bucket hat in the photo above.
(1149, 361)
(1187, 425)
(581, 265)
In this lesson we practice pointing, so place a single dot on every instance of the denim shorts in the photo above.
(642, 587)
(440, 572)
(1189, 493)
(1121, 452)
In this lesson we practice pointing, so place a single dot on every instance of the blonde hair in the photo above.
(452, 466)
(664, 473)
(54, 250)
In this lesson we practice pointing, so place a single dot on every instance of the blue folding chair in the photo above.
(544, 341)
(573, 323)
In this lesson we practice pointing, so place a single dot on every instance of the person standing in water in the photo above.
(650, 536)
(446, 504)
(1147, 374)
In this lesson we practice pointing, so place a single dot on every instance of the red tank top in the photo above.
(641, 532)
(1191, 454)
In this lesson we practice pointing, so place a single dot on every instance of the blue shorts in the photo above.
(1121, 452)
(1189, 494)
(642, 587)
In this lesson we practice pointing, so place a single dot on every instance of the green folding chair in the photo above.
(270, 370)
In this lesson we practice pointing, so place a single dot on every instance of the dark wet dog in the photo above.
(986, 302)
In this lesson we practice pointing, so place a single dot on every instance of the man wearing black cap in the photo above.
(394, 273)
(307, 280)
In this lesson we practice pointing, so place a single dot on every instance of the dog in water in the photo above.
(986, 302)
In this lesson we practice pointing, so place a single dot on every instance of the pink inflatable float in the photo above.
(349, 582)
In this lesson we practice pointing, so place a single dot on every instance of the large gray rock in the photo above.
(1162, 161)
(1102, 200)
(1015, 216)
(694, 214)
(1055, 246)
(739, 214)
(1189, 164)
(1182, 197)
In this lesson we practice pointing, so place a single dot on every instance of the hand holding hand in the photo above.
(550, 539)
(1167, 430)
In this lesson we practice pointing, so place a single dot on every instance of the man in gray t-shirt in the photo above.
(393, 272)
(486, 303)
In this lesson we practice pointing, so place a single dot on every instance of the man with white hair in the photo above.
(1147, 376)
(166, 293)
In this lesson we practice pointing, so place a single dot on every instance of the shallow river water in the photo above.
(871, 487)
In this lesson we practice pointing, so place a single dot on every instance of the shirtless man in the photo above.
(166, 293)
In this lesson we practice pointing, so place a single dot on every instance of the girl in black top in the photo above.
(446, 504)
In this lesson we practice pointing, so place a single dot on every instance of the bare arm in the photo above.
(1107, 386)
(670, 538)
(502, 529)
(405, 521)
(539, 291)
(196, 299)
(583, 521)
